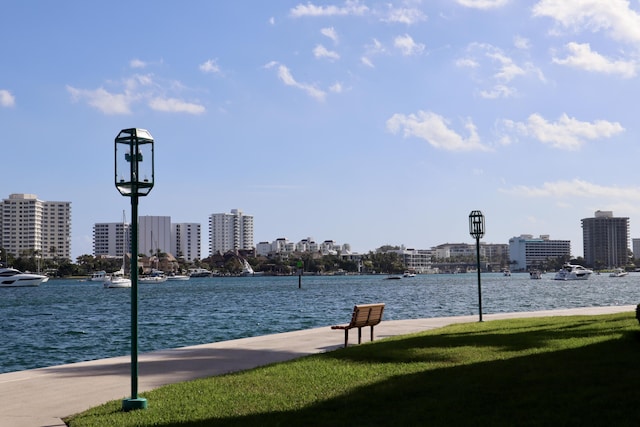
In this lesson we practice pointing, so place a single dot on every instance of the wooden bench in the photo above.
(363, 315)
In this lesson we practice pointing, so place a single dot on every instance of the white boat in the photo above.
(409, 274)
(619, 272)
(99, 276)
(174, 276)
(12, 278)
(156, 276)
(247, 270)
(199, 272)
(506, 272)
(535, 274)
(117, 279)
(573, 272)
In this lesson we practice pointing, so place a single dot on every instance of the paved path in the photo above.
(42, 397)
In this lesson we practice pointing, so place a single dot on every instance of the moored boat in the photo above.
(619, 272)
(573, 272)
(117, 279)
(156, 276)
(12, 278)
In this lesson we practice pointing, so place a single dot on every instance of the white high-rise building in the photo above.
(154, 234)
(29, 224)
(186, 241)
(111, 239)
(230, 231)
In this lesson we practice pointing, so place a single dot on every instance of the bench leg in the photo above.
(359, 335)
(372, 333)
(346, 337)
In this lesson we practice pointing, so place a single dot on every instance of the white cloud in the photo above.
(407, 16)
(582, 57)
(567, 133)
(351, 7)
(507, 69)
(331, 33)
(435, 129)
(174, 105)
(521, 42)
(108, 103)
(576, 188)
(6, 98)
(210, 66)
(612, 16)
(467, 63)
(498, 91)
(322, 52)
(408, 46)
(366, 61)
(287, 78)
(137, 63)
(483, 4)
(336, 88)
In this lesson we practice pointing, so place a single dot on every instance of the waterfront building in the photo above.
(415, 260)
(154, 235)
(111, 239)
(230, 232)
(185, 241)
(635, 247)
(283, 247)
(28, 224)
(457, 251)
(527, 252)
(606, 240)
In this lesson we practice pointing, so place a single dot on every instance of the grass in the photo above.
(558, 371)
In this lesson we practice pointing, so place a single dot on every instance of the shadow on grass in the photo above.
(595, 385)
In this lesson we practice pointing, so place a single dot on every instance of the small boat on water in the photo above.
(176, 277)
(117, 279)
(409, 274)
(573, 272)
(506, 272)
(99, 276)
(393, 277)
(535, 274)
(619, 272)
(199, 272)
(12, 278)
(156, 276)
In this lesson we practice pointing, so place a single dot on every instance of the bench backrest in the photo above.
(367, 315)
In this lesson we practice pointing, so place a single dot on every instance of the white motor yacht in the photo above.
(12, 278)
(117, 279)
(573, 272)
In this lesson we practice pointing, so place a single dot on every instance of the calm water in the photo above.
(65, 321)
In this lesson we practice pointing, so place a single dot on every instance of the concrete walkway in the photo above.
(42, 397)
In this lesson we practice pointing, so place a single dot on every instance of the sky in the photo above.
(364, 122)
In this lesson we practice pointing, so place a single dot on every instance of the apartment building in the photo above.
(185, 241)
(606, 240)
(111, 239)
(527, 252)
(230, 232)
(29, 224)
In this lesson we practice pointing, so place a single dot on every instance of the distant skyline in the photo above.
(365, 122)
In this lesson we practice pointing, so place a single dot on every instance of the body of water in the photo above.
(65, 321)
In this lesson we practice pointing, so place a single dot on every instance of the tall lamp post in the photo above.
(134, 178)
(476, 229)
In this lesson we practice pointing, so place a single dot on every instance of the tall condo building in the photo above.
(154, 234)
(527, 252)
(186, 241)
(230, 231)
(29, 224)
(111, 239)
(605, 239)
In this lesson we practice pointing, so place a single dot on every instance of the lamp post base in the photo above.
(133, 404)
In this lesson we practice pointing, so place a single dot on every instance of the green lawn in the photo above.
(559, 371)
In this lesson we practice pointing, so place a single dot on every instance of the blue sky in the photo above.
(365, 122)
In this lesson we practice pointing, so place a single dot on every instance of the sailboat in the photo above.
(117, 279)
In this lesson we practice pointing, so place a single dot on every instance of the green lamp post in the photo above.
(476, 229)
(134, 174)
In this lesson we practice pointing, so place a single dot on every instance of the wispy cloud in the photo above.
(404, 15)
(174, 105)
(352, 7)
(103, 100)
(331, 33)
(284, 74)
(137, 63)
(567, 133)
(483, 4)
(6, 98)
(210, 66)
(408, 46)
(581, 56)
(322, 52)
(436, 130)
(575, 188)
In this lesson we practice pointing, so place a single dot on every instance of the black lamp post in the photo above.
(134, 178)
(476, 229)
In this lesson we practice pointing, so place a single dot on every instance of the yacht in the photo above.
(156, 276)
(573, 272)
(12, 278)
(99, 276)
(117, 279)
(619, 272)
(199, 272)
